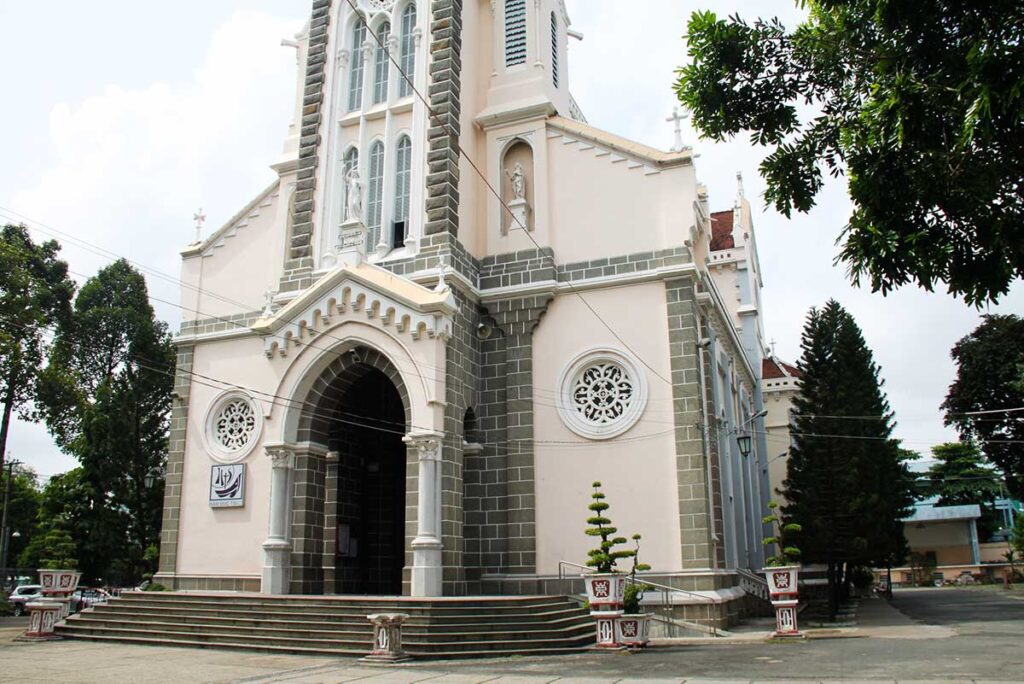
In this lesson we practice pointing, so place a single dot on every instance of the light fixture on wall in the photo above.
(743, 442)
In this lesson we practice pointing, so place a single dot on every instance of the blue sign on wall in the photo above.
(227, 486)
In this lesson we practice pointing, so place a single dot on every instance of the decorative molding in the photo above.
(602, 393)
(281, 457)
(428, 445)
(240, 220)
(347, 293)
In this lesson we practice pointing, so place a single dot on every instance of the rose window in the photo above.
(235, 425)
(603, 393)
(380, 5)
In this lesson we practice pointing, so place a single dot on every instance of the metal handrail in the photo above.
(668, 593)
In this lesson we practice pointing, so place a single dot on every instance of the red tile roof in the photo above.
(721, 230)
(772, 369)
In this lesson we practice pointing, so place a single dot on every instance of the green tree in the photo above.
(918, 103)
(847, 483)
(22, 511)
(106, 397)
(1017, 535)
(961, 477)
(987, 380)
(35, 292)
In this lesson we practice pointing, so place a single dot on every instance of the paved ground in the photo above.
(941, 635)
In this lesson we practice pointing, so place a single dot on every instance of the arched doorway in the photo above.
(366, 435)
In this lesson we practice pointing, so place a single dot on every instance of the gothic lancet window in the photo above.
(375, 201)
(515, 32)
(403, 177)
(554, 49)
(355, 78)
(407, 58)
(382, 65)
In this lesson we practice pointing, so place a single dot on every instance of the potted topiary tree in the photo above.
(783, 572)
(605, 586)
(59, 576)
(633, 627)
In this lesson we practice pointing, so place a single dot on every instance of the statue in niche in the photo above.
(354, 195)
(518, 177)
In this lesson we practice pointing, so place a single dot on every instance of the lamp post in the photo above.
(3, 525)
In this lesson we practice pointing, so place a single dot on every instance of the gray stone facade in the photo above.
(445, 126)
(175, 466)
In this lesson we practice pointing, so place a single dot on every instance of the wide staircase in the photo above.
(338, 626)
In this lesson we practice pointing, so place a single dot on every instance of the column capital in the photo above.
(343, 57)
(417, 35)
(369, 47)
(281, 456)
(392, 43)
(427, 444)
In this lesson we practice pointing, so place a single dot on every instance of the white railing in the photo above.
(668, 597)
(754, 584)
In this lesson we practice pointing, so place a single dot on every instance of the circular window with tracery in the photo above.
(602, 394)
(380, 5)
(233, 426)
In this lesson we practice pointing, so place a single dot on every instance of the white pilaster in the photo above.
(277, 549)
(427, 569)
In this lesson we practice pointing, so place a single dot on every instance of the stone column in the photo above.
(277, 549)
(427, 570)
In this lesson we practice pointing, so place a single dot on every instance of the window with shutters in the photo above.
(554, 49)
(407, 47)
(375, 201)
(382, 65)
(515, 32)
(356, 66)
(403, 179)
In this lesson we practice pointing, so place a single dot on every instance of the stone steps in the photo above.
(443, 628)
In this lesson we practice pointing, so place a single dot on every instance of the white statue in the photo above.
(354, 210)
(268, 306)
(518, 177)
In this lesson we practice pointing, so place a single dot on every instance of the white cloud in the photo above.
(132, 165)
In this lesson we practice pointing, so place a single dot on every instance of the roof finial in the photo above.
(678, 119)
(739, 186)
(200, 219)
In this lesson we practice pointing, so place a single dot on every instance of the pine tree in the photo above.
(847, 483)
(961, 476)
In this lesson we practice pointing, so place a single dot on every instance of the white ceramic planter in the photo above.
(633, 630)
(607, 630)
(605, 591)
(783, 582)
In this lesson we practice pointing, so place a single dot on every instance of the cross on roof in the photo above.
(200, 219)
(678, 119)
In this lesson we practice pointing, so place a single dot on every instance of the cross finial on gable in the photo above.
(678, 119)
(200, 219)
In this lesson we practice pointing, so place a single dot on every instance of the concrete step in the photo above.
(338, 625)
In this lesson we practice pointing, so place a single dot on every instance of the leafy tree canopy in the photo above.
(35, 293)
(988, 380)
(961, 476)
(918, 103)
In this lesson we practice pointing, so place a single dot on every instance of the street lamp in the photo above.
(152, 476)
(743, 442)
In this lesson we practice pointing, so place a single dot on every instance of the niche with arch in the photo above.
(517, 187)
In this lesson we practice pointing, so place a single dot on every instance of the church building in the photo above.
(456, 307)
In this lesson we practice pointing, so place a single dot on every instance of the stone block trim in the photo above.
(231, 323)
(695, 506)
(176, 460)
(517, 319)
(638, 262)
(518, 268)
(432, 249)
(445, 127)
(299, 265)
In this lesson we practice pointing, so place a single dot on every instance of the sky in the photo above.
(124, 118)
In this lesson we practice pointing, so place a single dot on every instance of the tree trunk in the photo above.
(5, 422)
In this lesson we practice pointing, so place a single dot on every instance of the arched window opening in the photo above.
(403, 186)
(470, 431)
(382, 65)
(554, 49)
(375, 201)
(407, 58)
(515, 32)
(350, 162)
(357, 66)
